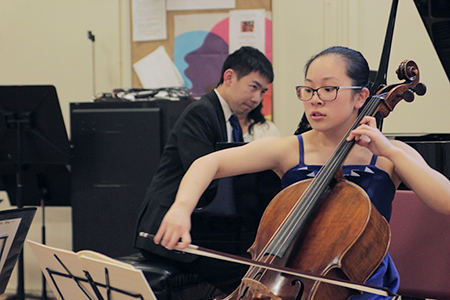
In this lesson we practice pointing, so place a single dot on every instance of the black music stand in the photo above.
(90, 275)
(33, 137)
(14, 226)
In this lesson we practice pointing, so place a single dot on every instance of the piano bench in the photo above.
(170, 283)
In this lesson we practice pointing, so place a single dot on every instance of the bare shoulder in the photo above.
(281, 143)
(281, 152)
(287, 152)
(276, 141)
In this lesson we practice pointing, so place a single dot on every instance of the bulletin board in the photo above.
(141, 49)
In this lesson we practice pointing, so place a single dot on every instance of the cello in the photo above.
(326, 226)
(330, 227)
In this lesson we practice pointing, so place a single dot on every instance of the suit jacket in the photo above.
(197, 131)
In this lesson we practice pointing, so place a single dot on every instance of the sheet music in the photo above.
(90, 275)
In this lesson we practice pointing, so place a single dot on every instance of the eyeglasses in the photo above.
(325, 93)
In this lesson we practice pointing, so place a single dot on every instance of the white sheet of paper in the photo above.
(200, 4)
(247, 28)
(157, 70)
(125, 281)
(149, 20)
(130, 280)
(65, 262)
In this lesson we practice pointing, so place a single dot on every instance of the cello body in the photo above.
(346, 238)
(327, 225)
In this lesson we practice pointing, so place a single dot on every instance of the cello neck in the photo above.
(314, 196)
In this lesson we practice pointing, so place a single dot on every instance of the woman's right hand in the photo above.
(175, 228)
(174, 231)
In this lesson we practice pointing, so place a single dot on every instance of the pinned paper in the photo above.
(149, 20)
(157, 70)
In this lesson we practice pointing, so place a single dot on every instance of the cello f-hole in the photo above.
(298, 282)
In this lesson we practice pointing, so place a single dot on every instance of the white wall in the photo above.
(302, 28)
(45, 42)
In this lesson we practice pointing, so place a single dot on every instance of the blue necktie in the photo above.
(237, 131)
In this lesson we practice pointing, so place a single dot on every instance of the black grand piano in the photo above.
(435, 15)
(420, 240)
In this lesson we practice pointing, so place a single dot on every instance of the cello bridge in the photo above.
(259, 290)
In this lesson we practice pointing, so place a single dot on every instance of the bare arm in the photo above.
(431, 187)
(262, 154)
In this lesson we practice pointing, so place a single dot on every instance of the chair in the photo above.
(420, 247)
(170, 283)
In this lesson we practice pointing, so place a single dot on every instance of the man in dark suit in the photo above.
(245, 77)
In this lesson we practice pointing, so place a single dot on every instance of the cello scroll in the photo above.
(408, 71)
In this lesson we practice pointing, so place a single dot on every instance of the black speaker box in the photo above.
(116, 150)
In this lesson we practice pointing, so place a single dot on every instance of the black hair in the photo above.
(256, 116)
(357, 66)
(357, 69)
(246, 60)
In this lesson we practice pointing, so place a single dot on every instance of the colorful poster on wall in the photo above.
(201, 45)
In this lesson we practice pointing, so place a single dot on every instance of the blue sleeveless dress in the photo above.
(381, 191)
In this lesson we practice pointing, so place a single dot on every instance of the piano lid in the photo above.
(435, 15)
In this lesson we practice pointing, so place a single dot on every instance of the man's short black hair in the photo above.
(247, 60)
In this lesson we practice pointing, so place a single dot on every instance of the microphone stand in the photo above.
(92, 38)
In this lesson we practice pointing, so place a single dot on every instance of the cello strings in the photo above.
(328, 172)
(315, 193)
(301, 207)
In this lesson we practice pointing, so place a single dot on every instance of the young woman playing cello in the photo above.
(335, 88)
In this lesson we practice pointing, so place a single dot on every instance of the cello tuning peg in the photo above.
(408, 95)
(420, 89)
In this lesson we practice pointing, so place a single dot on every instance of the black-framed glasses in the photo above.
(325, 93)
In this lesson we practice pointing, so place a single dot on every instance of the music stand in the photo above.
(90, 275)
(14, 225)
(46, 185)
(32, 133)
